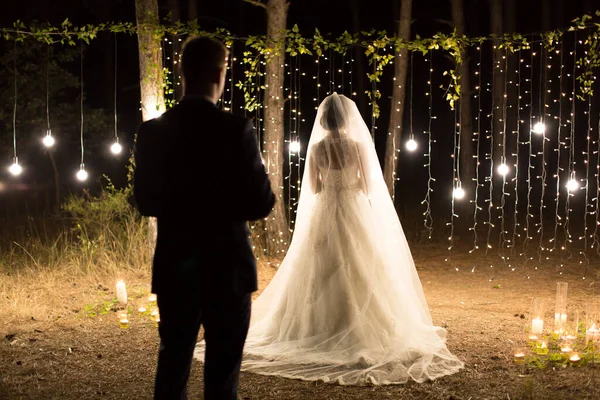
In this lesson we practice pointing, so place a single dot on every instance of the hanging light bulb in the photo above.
(294, 147)
(15, 169)
(411, 145)
(48, 140)
(572, 184)
(458, 192)
(82, 174)
(503, 169)
(116, 148)
(539, 128)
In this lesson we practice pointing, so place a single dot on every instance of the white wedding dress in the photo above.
(346, 304)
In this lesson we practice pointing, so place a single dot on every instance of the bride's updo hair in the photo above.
(332, 119)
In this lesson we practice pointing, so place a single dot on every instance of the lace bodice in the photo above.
(338, 164)
(341, 179)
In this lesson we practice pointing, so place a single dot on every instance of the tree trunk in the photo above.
(498, 95)
(358, 81)
(192, 9)
(277, 227)
(394, 137)
(467, 163)
(151, 68)
(559, 14)
(151, 73)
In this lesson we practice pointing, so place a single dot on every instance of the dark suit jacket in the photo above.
(199, 171)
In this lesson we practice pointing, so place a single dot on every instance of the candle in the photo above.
(123, 320)
(121, 292)
(154, 312)
(537, 326)
(574, 358)
(142, 309)
(152, 298)
(533, 337)
(519, 356)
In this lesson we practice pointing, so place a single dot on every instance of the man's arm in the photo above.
(148, 173)
(256, 194)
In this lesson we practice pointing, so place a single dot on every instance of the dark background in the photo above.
(242, 19)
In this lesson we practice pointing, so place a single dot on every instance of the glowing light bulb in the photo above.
(82, 174)
(539, 128)
(458, 193)
(116, 148)
(15, 169)
(48, 140)
(294, 147)
(411, 145)
(503, 169)
(572, 184)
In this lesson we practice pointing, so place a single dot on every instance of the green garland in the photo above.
(378, 47)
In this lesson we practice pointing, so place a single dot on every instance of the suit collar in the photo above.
(197, 98)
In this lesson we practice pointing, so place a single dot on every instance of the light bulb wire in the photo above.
(428, 219)
(115, 90)
(48, 88)
(412, 135)
(15, 106)
(81, 99)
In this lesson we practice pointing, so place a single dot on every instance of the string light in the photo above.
(428, 220)
(503, 169)
(116, 147)
(518, 123)
(543, 175)
(81, 175)
(15, 169)
(571, 183)
(530, 156)
(458, 193)
(539, 128)
(294, 147)
(560, 143)
(476, 139)
(411, 144)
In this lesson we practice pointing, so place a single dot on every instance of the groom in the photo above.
(199, 171)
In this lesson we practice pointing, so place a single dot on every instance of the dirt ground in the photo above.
(50, 348)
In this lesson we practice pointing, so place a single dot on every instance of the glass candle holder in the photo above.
(560, 312)
(592, 324)
(537, 318)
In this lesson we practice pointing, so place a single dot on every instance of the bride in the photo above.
(346, 305)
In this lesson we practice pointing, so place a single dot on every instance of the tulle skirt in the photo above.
(345, 307)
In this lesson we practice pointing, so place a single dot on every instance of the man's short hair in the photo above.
(201, 58)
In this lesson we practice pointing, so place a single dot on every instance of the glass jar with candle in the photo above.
(537, 319)
(592, 324)
(560, 313)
